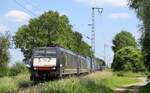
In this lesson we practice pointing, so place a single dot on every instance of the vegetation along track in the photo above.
(132, 88)
(99, 82)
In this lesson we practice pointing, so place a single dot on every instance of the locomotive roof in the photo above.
(70, 52)
(62, 49)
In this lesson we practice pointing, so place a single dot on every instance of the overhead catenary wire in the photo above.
(27, 1)
(29, 11)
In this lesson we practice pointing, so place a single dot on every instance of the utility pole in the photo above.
(94, 10)
(99, 10)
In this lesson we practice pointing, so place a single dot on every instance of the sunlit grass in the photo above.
(99, 82)
(104, 82)
(13, 83)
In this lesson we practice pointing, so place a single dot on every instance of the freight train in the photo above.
(56, 62)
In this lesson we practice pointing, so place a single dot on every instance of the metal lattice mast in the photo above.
(99, 10)
(93, 31)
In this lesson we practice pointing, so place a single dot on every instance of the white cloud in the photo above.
(120, 16)
(115, 3)
(3, 28)
(18, 16)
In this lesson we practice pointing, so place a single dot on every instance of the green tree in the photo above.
(49, 28)
(85, 49)
(100, 61)
(128, 59)
(123, 39)
(4, 54)
(78, 40)
(142, 9)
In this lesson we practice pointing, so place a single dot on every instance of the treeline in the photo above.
(50, 28)
(142, 9)
(124, 57)
(127, 56)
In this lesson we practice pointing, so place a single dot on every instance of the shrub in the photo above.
(128, 59)
(4, 71)
(17, 68)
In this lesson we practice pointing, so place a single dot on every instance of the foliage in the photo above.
(17, 68)
(142, 9)
(123, 39)
(128, 59)
(100, 61)
(48, 29)
(4, 54)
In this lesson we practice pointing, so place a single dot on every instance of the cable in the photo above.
(24, 8)
(27, 1)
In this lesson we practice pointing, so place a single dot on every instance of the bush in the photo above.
(128, 59)
(4, 71)
(17, 68)
(9, 84)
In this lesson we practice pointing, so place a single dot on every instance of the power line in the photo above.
(27, 1)
(18, 3)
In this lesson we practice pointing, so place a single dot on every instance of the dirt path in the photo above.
(133, 88)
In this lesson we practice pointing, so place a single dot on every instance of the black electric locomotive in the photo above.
(50, 62)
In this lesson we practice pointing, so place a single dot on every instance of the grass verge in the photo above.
(104, 82)
(100, 82)
(14, 83)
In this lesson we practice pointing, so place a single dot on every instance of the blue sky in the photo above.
(115, 17)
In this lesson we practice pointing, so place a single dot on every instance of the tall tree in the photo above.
(142, 9)
(49, 28)
(123, 39)
(4, 54)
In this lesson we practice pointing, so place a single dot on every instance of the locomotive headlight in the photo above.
(54, 68)
(35, 68)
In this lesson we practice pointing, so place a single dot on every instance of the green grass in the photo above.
(14, 83)
(145, 89)
(94, 83)
(130, 74)
(101, 82)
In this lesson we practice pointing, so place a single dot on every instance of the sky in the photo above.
(116, 16)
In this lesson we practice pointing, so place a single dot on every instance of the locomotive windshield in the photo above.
(44, 52)
(44, 57)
